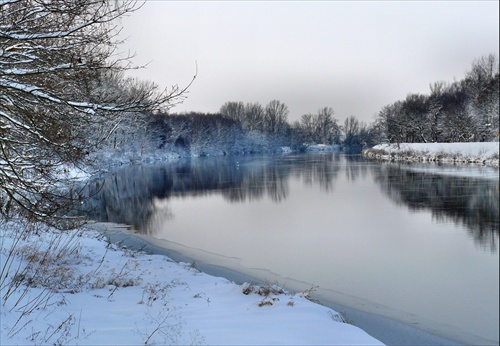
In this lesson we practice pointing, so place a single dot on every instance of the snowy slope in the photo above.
(88, 292)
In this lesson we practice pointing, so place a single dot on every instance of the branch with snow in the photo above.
(62, 92)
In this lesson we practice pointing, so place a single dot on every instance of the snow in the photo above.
(20, 72)
(323, 147)
(88, 291)
(475, 152)
(22, 125)
(86, 107)
(73, 173)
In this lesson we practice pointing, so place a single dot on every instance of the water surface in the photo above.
(403, 241)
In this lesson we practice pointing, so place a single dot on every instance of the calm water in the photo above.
(398, 240)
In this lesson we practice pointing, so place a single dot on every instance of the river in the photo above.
(414, 243)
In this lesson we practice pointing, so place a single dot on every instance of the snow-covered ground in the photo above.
(478, 152)
(87, 291)
(323, 147)
(84, 290)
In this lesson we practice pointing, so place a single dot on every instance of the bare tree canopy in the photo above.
(276, 114)
(61, 92)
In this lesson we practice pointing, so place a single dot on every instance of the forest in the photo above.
(464, 110)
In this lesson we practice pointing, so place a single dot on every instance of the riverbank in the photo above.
(484, 153)
(387, 330)
(378, 324)
(75, 287)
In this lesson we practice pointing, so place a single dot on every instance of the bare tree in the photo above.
(254, 117)
(391, 123)
(233, 110)
(482, 71)
(307, 126)
(327, 130)
(276, 115)
(351, 130)
(481, 84)
(55, 59)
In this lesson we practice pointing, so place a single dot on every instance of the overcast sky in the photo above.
(353, 56)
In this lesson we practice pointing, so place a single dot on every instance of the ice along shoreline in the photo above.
(388, 330)
(89, 291)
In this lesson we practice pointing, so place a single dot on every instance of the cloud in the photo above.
(352, 56)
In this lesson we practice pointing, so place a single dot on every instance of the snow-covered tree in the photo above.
(462, 111)
(56, 60)
(481, 85)
(416, 115)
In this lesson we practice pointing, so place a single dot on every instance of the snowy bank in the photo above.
(486, 153)
(323, 147)
(76, 288)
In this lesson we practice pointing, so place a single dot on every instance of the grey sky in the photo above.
(353, 56)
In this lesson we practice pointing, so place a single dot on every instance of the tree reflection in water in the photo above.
(126, 195)
(471, 202)
(133, 195)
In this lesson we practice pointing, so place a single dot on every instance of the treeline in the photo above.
(189, 134)
(462, 111)
(319, 128)
(237, 128)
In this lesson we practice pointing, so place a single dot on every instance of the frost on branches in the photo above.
(62, 92)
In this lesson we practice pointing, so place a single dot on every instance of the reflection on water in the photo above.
(411, 244)
(133, 195)
(237, 179)
(462, 200)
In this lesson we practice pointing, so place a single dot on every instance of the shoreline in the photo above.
(388, 330)
(112, 295)
(391, 331)
(481, 153)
